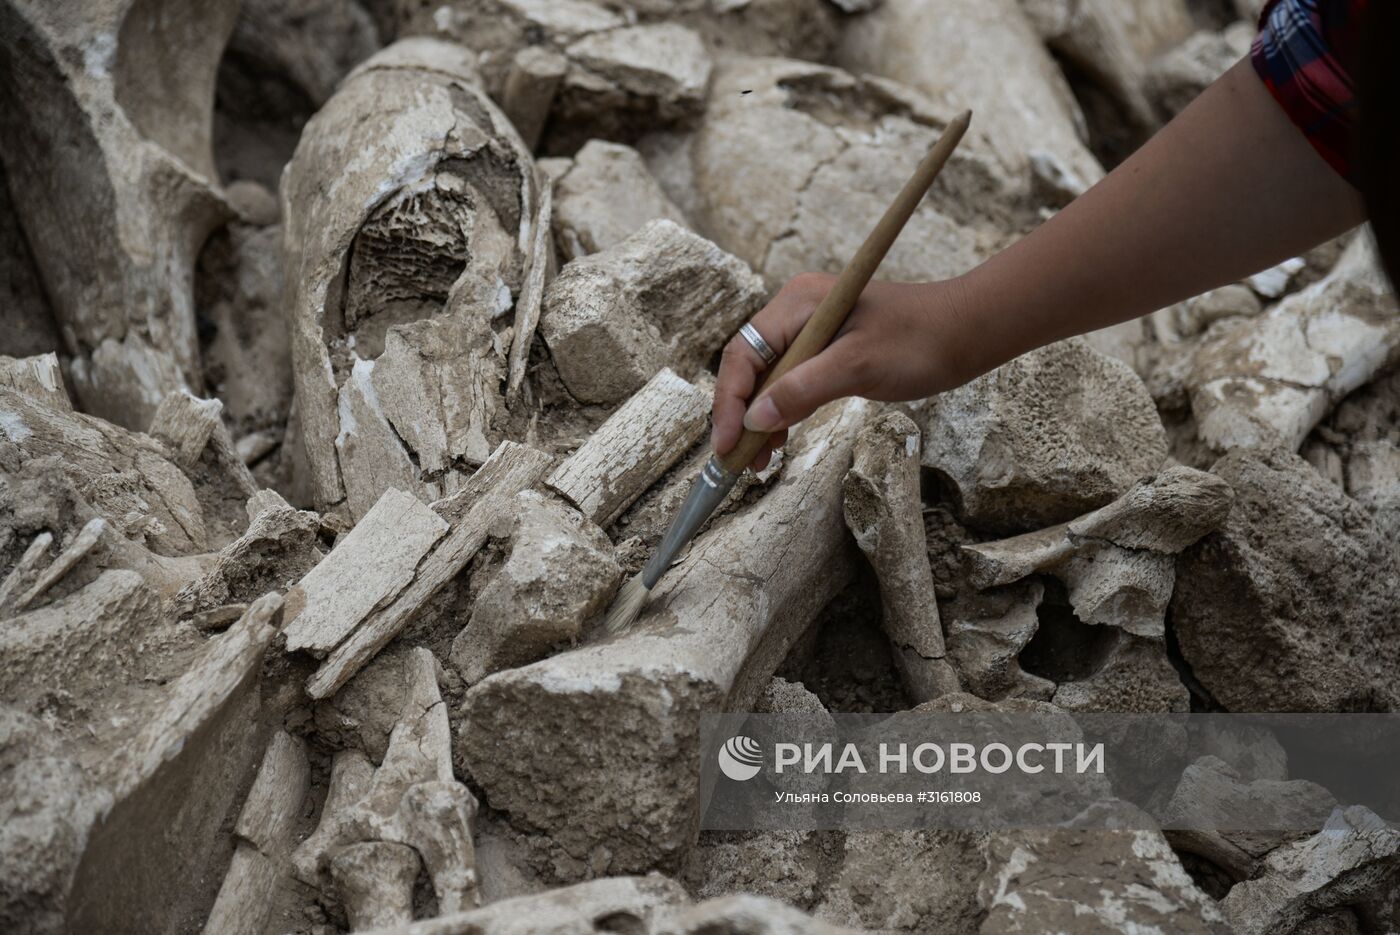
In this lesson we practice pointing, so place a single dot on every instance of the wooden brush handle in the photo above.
(831, 313)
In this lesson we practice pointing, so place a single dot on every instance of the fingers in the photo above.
(741, 368)
(836, 372)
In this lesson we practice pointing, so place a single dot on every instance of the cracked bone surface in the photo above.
(998, 68)
(605, 195)
(710, 638)
(1053, 433)
(109, 161)
(1268, 380)
(662, 296)
(884, 511)
(559, 572)
(1118, 566)
(401, 275)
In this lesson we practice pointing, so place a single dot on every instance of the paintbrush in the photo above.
(720, 473)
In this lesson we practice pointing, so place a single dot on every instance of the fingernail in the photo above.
(762, 416)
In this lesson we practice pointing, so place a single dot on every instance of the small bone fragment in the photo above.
(604, 195)
(218, 618)
(37, 376)
(264, 500)
(375, 881)
(369, 566)
(535, 73)
(243, 905)
(472, 512)
(635, 446)
(527, 307)
(351, 774)
(275, 799)
(81, 545)
(883, 510)
(185, 423)
(279, 546)
(26, 565)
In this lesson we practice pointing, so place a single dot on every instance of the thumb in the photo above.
(811, 384)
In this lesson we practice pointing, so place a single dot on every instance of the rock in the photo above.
(558, 573)
(1269, 380)
(1354, 862)
(1054, 433)
(421, 247)
(1090, 881)
(606, 195)
(784, 865)
(744, 914)
(109, 162)
(1290, 605)
(661, 297)
(1178, 76)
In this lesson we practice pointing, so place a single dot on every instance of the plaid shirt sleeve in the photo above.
(1305, 53)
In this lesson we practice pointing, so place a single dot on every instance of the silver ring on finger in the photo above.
(760, 346)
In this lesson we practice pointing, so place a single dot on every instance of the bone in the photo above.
(635, 446)
(279, 548)
(534, 77)
(429, 221)
(559, 573)
(185, 423)
(527, 316)
(266, 832)
(71, 555)
(883, 510)
(662, 297)
(370, 566)
(472, 512)
(37, 376)
(1268, 381)
(712, 635)
(374, 880)
(606, 195)
(111, 168)
(27, 565)
(436, 819)
(351, 773)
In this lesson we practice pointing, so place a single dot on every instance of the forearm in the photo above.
(1228, 188)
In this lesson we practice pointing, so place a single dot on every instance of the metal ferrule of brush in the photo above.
(708, 491)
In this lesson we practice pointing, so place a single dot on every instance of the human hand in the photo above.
(902, 341)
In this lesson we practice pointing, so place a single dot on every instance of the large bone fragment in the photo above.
(107, 150)
(606, 195)
(408, 208)
(527, 310)
(634, 447)
(711, 637)
(375, 882)
(1270, 379)
(184, 770)
(351, 774)
(991, 60)
(884, 511)
(371, 565)
(471, 512)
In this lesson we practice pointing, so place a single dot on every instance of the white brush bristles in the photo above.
(626, 606)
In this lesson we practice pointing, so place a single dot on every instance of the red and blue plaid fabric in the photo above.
(1306, 53)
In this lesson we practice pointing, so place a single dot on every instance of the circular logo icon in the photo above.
(740, 758)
